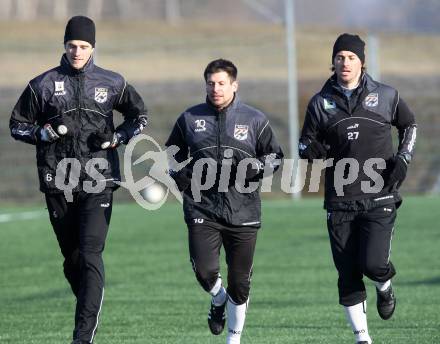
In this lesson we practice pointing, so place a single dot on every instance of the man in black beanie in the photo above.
(80, 28)
(350, 123)
(67, 113)
(351, 43)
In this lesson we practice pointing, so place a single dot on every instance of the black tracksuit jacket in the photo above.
(359, 127)
(84, 101)
(204, 132)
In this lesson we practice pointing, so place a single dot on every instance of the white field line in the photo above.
(27, 215)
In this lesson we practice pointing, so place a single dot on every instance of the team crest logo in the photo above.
(101, 94)
(329, 104)
(59, 88)
(241, 132)
(372, 100)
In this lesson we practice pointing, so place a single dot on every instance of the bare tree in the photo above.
(94, 9)
(5, 9)
(172, 11)
(27, 9)
(60, 10)
(125, 8)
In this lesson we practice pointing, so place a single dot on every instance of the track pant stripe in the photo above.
(97, 316)
(391, 239)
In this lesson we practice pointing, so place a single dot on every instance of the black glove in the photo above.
(398, 173)
(254, 172)
(54, 129)
(106, 139)
(314, 150)
(182, 178)
(60, 126)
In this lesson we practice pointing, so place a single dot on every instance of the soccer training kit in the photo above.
(361, 245)
(81, 228)
(205, 241)
(356, 128)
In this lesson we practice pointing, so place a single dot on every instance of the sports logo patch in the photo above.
(101, 94)
(372, 100)
(329, 104)
(241, 132)
(59, 88)
(200, 125)
(354, 126)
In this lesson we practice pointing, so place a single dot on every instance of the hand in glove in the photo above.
(255, 170)
(59, 125)
(252, 172)
(314, 150)
(106, 139)
(398, 173)
(53, 130)
(48, 134)
(182, 178)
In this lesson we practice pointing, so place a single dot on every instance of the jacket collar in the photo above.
(333, 90)
(67, 67)
(366, 83)
(232, 105)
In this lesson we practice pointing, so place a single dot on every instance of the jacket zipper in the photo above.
(219, 158)
(77, 150)
(219, 121)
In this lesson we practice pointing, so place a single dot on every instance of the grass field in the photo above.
(153, 297)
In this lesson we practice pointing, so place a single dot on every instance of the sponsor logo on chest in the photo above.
(59, 88)
(371, 100)
(101, 94)
(200, 125)
(241, 132)
(354, 126)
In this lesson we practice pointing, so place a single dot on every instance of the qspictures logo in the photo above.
(207, 173)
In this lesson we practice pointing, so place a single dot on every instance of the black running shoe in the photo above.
(216, 318)
(386, 303)
(363, 342)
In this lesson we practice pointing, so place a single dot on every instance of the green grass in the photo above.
(153, 297)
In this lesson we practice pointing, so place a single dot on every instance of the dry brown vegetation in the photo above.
(158, 52)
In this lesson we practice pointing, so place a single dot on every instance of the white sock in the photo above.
(236, 315)
(218, 293)
(383, 286)
(357, 317)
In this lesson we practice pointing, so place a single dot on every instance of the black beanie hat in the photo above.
(351, 43)
(80, 28)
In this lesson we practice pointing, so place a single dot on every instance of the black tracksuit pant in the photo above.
(361, 245)
(205, 242)
(81, 228)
